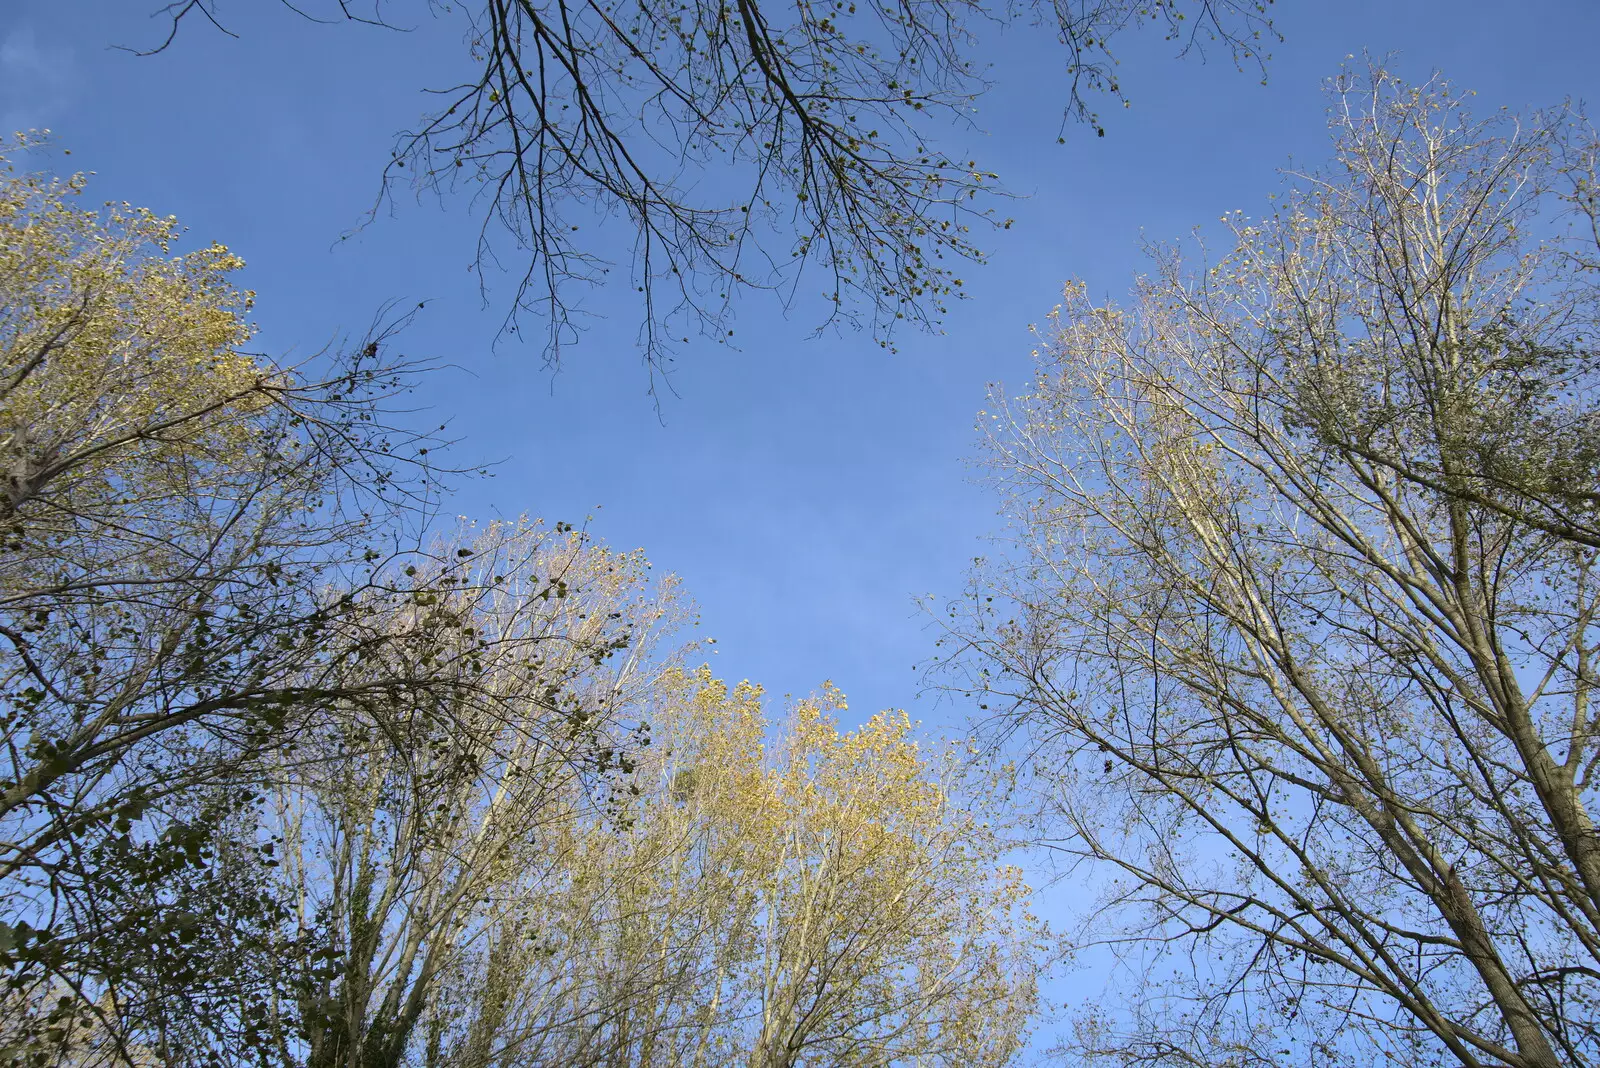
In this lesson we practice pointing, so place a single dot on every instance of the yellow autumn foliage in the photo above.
(810, 896)
(112, 349)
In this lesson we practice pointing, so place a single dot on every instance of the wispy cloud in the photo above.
(35, 81)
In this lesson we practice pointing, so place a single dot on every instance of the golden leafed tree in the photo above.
(821, 898)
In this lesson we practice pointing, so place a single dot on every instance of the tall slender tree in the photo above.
(410, 838)
(1302, 617)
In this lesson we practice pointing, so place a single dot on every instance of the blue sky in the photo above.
(806, 489)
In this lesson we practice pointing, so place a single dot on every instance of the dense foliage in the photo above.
(286, 784)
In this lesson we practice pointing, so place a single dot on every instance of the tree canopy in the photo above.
(1288, 650)
(291, 778)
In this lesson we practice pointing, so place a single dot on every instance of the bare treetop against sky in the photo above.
(819, 126)
(805, 487)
